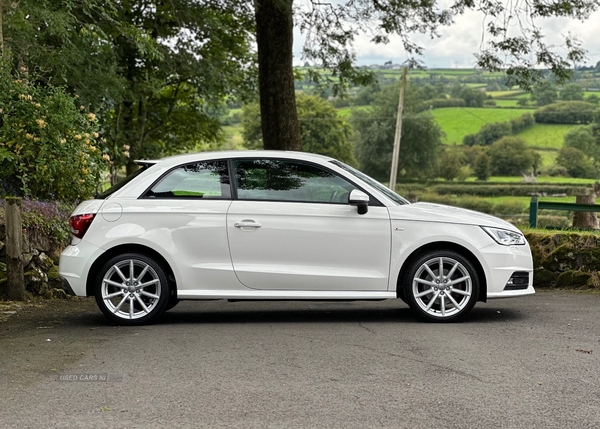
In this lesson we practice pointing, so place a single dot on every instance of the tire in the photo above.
(172, 303)
(132, 289)
(444, 297)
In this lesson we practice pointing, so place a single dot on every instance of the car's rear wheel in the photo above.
(441, 286)
(132, 289)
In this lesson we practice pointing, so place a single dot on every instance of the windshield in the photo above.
(373, 183)
(126, 180)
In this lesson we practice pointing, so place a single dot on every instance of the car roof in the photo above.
(199, 156)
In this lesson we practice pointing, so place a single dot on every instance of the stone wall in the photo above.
(565, 260)
(40, 260)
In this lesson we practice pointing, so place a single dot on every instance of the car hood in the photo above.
(428, 212)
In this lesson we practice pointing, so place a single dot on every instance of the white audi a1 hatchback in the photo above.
(271, 225)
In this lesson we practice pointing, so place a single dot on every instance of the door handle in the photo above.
(247, 224)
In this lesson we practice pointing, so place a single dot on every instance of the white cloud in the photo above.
(459, 42)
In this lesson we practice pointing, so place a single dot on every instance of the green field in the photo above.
(545, 136)
(505, 103)
(345, 112)
(233, 137)
(548, 157)
(457, 122)
(505, 94)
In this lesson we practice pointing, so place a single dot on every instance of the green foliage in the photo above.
(509, 208)
(47, 219)
(482, 189)
(510, 157)
(521, 123)
(323, 130)
(474, 203)
(490, 133)
(366, 95)
(545, 136)
(44, 221)
(577, 163)
(544, 93)
(155, 73)
(555, 171)
(472, 97)
(593, 99)
(566, 112)
(251, 129)
(582, 138)
(375, 130)
(67, 42)
(450, 164)
(437, 103)
(49, 146)
(482, 166)
(572, 91)
(458, 122)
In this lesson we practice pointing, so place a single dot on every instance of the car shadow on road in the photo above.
(319, 313)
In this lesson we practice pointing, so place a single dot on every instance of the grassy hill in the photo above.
(545, 136)
(457, 122)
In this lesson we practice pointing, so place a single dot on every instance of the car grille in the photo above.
(518, 281)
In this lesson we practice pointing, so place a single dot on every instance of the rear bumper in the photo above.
(66, 286)
(74, 266)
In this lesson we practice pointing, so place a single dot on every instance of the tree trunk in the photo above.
(274, 39)
(587, 220)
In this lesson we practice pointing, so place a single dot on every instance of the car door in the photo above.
(184, 213)
(291, 228)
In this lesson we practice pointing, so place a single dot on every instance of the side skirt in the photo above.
(284, 295)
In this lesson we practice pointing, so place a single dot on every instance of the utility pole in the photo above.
(2, 53)
(398, 136)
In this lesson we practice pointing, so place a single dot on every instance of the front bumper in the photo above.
(502, 263)
(74, 266)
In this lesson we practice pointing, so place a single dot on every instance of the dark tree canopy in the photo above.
(154, 72)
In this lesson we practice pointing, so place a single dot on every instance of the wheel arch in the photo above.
(129, 248)
(445, 245)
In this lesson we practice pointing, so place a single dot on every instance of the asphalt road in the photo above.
(530, 362)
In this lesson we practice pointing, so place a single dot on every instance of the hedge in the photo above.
(566, 112)
(520, 189)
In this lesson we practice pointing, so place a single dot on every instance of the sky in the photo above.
(459, 42)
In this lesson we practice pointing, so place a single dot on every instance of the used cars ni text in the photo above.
(271, 225)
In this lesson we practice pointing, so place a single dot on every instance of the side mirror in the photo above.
(360, 200)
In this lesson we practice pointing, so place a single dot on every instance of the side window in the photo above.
(208, 179)
(282, 180)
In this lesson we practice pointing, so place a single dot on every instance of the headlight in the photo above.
(504, 236)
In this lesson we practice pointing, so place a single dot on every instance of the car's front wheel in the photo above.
(132, 289)
(441, 286)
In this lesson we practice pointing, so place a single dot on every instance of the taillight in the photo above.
(80, 223)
